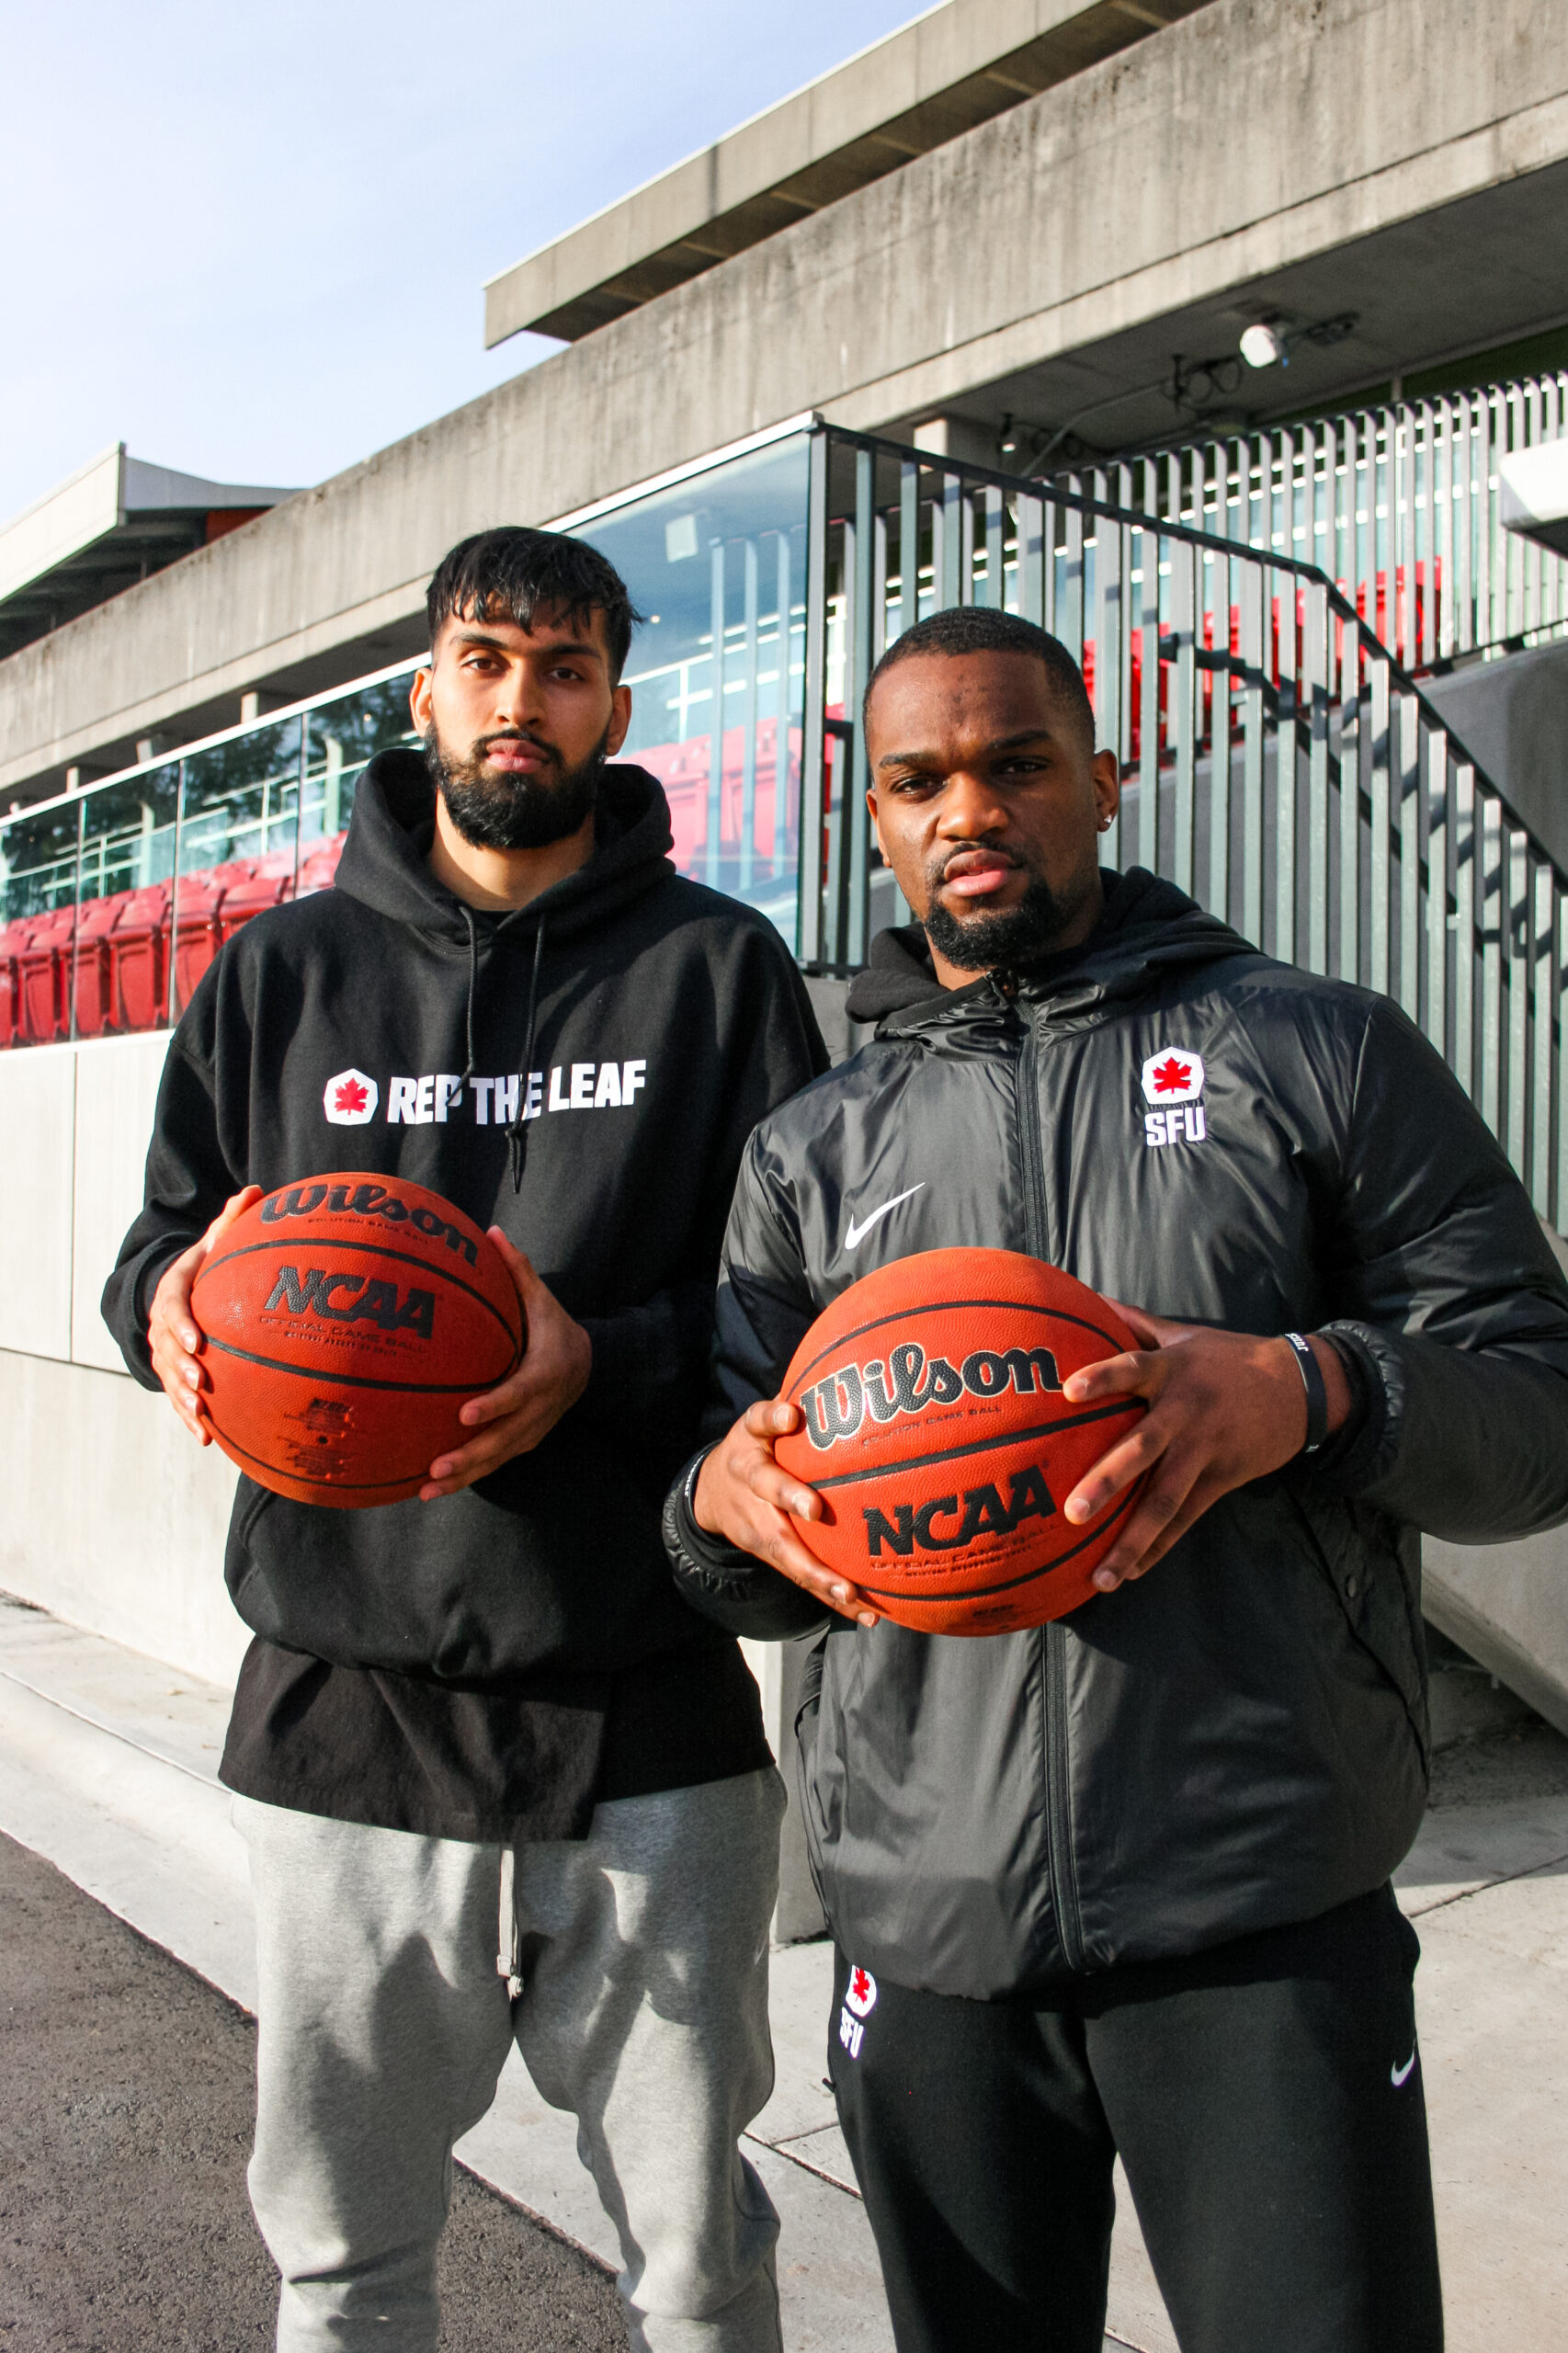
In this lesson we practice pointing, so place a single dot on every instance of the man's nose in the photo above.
(971, 808)
(519, 697)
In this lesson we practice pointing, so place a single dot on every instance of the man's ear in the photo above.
(1105, 771)
(876, 824)
(420, 701)
(619, 719)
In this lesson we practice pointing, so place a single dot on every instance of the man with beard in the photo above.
(490, 1704)
(1122, 1883)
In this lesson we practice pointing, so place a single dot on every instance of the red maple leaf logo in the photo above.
(859, 1985)
(350, 1096)
(1172, 1076)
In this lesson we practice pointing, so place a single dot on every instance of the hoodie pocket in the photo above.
(1357, 1552)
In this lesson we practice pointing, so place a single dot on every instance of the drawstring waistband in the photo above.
(507, 1954)
(517, 1132)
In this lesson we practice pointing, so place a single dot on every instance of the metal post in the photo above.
(716, 733)
(908, 545)
(813, 745)
(1379, 748)
(1350, 804)
(749, 725)
(1461, 786)
(858, 670)
(1184, 705)
(1407, 768)
(1439, 829)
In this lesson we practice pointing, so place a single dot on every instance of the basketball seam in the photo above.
(302, 1478)
(340, 1241)
(329, 1376)
(953, 1307)
(997, 1440)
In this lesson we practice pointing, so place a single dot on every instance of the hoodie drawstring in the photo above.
(517, 1134)
(473, 983)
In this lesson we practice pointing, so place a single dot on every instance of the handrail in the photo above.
(1276, 760)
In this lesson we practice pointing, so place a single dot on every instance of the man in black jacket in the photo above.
(1122, 1883)
(489, 1703)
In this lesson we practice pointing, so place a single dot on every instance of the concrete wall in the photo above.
(1252, 137)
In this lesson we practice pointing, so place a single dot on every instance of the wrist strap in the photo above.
(1317, 1393)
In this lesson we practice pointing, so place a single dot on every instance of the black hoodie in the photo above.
(452, 1667)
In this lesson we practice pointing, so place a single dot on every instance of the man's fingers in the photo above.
(772, 1417)
(773, 1485)
(1118, 1467)
(773, 1540)
(1123, 1376)
(1173, 1499)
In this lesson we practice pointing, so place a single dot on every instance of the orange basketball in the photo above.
(347, 1318)
(943, 1449)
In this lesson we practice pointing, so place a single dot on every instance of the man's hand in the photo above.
(1224, 1408)
(557, 1358)
(744, 1496)
(174, 1335)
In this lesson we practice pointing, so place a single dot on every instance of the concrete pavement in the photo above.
(108, 1767)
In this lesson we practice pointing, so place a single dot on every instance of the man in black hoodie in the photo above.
(491, 1704)
(1122, 1883)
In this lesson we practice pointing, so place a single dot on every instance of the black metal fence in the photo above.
(1276, 760)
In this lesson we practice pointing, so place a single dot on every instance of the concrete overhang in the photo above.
(1535, 495)
(1252, 155)
(112, 523)
(958, 66)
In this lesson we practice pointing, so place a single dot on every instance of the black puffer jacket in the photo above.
(1240, 1739)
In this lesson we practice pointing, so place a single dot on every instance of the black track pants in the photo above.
(1265, 2099)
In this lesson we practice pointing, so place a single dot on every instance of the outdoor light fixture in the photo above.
(1268, 343)
(1008, 441)
(1262, 345)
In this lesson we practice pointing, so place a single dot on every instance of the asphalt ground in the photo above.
(127, 2089)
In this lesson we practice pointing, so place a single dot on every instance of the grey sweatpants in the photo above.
(643, 2010)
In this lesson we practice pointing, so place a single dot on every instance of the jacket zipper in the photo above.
(1058, 1805)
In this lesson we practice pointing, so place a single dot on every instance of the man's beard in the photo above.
(1017, 935)
(493, 810)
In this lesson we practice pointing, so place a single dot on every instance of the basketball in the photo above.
(347, 1318)
(938, 1437)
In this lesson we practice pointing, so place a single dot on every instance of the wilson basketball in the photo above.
(347, 1318)
(943, 1449)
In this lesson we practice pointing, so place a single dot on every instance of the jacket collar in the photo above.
(1149, 927)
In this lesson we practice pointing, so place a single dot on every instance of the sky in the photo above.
(250, 242)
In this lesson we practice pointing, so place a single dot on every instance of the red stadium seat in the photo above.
(12, 936)
(197, 934)
(94, 964)
(318, 868)
(139, 959)
(271, 881)
(45, 967)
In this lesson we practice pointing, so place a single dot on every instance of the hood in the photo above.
(1149, 927)
(384, 859)
(385, 864)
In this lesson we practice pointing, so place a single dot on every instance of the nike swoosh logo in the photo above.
(1398, 2075)
(856, 1233)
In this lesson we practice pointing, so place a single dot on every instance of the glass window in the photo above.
(341, 737)
(239, 822)
(38, 901)
(718, 566)
(122, 936)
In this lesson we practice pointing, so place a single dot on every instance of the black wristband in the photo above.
(1317, 1393)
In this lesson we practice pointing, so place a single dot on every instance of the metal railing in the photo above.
(1276, 760)
(1401, 506)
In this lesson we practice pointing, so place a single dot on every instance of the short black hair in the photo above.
(512, 572)
(981, 628)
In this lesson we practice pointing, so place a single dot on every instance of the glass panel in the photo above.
(238, 823)
(38, 904)
(122, 940)
(341, 737)
(719, 563)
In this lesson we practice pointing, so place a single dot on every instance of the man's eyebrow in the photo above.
(475, 637)
(998, 744)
